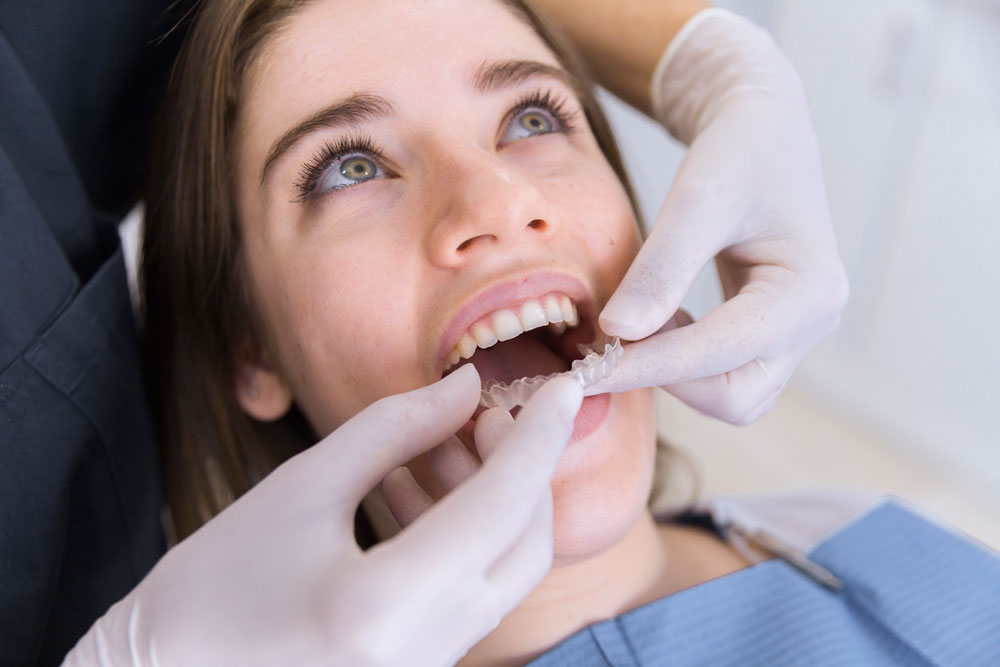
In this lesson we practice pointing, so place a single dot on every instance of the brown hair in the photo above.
(196, 305)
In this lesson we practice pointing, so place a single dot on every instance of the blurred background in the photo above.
(903, 398)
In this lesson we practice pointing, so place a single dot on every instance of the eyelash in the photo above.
(554, 103)
(313, 170)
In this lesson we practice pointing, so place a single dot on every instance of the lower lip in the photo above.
(592, 412)
(591, 416)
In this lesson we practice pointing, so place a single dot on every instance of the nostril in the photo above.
(469, 241)
(537, 223)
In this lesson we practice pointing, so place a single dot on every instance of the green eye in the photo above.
(535, 122)
(358, 169)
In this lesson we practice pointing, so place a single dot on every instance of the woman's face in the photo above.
(405, 172)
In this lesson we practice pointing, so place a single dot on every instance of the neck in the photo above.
(633, 572)
(652, 561)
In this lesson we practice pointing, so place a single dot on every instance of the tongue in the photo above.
(524, 356)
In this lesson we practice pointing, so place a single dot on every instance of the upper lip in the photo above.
(506, 293)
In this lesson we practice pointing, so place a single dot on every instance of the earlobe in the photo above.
(260, 391)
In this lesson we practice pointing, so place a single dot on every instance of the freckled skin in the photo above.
(356, 286)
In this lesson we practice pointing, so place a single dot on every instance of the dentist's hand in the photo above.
(750, 194)
(278, 579)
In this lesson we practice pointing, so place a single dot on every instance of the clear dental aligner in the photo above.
(593, 368)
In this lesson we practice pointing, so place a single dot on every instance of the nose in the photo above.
(484, 204)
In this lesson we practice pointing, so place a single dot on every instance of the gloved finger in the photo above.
(759, 322)
(474, 525)
(404, 496)
(738, 396)
(452, 463)
(762, 409)
(519, 570)
(691, 228)
(349, 462)
(483, 601)
(681, 318)
(491, 426)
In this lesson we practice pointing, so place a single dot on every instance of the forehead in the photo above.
(337, 48)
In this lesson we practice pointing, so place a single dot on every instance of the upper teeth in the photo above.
(556, 310)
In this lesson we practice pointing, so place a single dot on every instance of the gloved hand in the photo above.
(452, 463)
(749, 193)
(278, 579)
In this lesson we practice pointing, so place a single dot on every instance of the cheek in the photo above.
(597, 212)
(338, 325)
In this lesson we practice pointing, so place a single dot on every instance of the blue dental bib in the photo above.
(913, 594)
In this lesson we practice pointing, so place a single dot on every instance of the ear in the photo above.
(260, 389)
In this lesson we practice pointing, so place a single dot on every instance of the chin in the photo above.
(603, 482)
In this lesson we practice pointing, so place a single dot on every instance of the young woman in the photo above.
(354, 200)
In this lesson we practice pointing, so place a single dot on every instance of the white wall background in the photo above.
(905, 95)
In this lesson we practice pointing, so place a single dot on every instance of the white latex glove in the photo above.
(278, 579)
(749, 193)
(452, 464)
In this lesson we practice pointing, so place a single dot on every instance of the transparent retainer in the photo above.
(594, 367)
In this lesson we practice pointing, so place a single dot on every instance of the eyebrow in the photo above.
(354, 110)
(365, 107)
(493, 76)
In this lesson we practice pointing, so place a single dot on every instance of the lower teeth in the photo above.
(594, 367)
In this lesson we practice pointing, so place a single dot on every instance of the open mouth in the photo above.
(533, 337)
